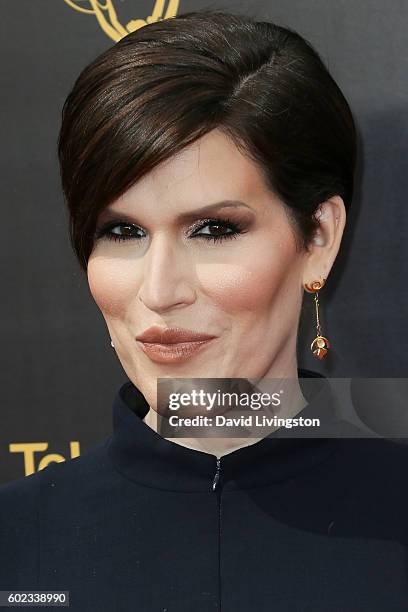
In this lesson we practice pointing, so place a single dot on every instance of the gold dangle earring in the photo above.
(320, 344)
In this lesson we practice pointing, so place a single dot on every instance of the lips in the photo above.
(172, 344)
(171, 335)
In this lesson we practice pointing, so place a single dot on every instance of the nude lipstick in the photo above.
(171, 344)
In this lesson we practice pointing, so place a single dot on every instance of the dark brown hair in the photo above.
(167, 84)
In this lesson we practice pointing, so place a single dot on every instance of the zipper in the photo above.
(217, 474)
(217, 490)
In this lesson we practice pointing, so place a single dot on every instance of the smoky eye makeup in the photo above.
(128, 230)
(215, 229)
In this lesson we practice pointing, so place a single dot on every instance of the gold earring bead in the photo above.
(315, 285)
(320, 344)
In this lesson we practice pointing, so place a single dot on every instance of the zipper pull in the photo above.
(217, 474)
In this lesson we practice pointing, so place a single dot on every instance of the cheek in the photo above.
(252, 283)
(110, 287)
(235, 288)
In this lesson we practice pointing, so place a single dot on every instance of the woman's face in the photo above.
(245, 288)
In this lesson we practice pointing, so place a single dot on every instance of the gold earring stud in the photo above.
(320, 344)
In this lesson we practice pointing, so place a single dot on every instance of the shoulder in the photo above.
(23, 500)
(19, 531)
(38, 506)
(375, 471)
(377, 455)
(19, 499)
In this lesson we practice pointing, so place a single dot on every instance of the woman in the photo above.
(208, 163)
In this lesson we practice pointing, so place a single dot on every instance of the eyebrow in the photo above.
(203, 210)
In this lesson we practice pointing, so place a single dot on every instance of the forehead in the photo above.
(210, 169)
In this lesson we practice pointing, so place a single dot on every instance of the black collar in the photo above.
(144, 456)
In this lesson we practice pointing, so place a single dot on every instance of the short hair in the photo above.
(169, 83)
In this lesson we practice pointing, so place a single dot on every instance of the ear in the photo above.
(323, 248)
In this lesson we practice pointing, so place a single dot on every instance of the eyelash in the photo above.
(105, 230)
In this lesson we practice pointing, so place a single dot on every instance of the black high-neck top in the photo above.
(169, 465)
(143, 523)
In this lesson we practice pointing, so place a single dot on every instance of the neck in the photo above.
(294, 402)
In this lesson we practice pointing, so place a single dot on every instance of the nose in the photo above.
(167, 276)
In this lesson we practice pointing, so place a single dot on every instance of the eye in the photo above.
(220, 230)
(118, 230)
